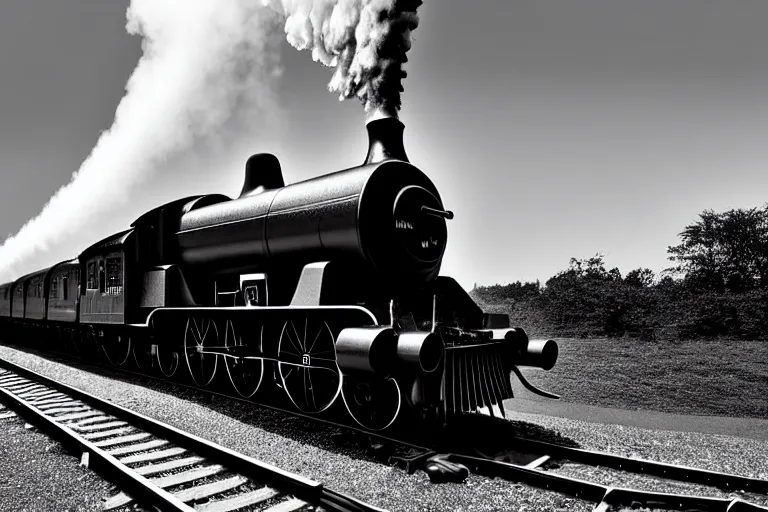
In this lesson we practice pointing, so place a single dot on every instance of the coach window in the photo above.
(54, 288)
(114, 276)
(102, 277)
(65, 286)
(91, 285)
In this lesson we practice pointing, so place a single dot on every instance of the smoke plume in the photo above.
(203, 62)
(365, 40)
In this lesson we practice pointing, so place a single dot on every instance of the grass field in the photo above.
(721, 378)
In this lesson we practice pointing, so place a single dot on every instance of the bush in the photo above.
(588, 300)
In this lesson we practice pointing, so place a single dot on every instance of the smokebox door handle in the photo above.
(437, 213)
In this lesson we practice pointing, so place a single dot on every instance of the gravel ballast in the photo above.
(312, 450)
(37, 474)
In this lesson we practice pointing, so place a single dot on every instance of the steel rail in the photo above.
(304, 488)
(604, 496)
(726, 481)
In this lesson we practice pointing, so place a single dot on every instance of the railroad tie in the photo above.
(152, 456)
(93, 436)
(208, 490)
(137, 447)
(153, 469)
(122, 440)
(244, 500)
(164, 482)
(94, 427)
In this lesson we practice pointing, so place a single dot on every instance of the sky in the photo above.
(553, 129)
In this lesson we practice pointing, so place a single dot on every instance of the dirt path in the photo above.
(740, 427)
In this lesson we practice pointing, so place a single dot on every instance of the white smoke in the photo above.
(365, 40)
(203, 62)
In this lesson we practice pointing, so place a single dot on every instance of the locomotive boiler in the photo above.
(322, 297)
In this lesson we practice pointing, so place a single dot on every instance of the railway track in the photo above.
(607, 498)
(156, 464)
(528, 459)
(530, 467)
(527, 463)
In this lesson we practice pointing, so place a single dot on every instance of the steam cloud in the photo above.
(366, 40)
(203, 62)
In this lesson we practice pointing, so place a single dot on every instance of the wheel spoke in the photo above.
(288, 336)
(315, 340)
(298, 338)
(205, 334)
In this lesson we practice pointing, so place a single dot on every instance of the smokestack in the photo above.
(385, 137)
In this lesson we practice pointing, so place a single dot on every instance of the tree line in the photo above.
(716, 286)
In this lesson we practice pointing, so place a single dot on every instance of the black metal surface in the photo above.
(303, 488)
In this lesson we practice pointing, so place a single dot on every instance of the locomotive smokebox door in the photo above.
(254, 289)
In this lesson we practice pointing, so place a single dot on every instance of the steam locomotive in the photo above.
(322, 297)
